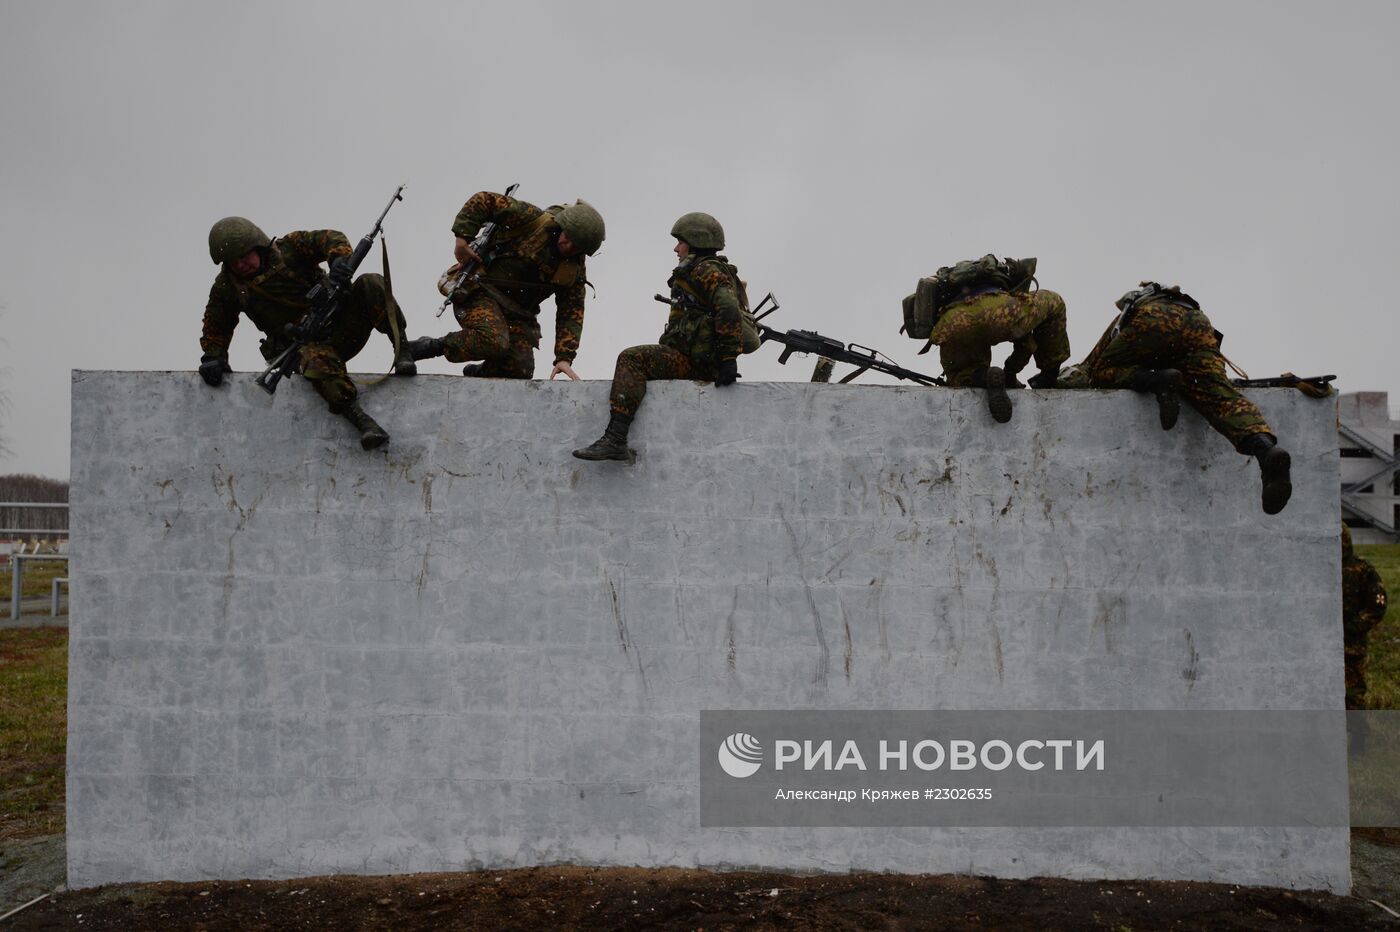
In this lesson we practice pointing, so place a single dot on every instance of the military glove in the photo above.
(728, 372)
(212, 368)
(341, 272)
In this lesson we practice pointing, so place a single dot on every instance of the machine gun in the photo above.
(325, 300)
(864, 358)
(472, 267)
(1316, 386)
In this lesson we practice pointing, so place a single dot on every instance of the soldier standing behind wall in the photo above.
(1161, 342)
(977, 304)
(535, 253)
(703, 336)
(268, 280)
(1363, 607)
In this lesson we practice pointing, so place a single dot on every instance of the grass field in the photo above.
(1383, 660)
(38, 578)
(33, 730)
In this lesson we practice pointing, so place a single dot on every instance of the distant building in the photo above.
(1369, 436)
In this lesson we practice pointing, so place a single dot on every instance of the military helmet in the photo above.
(1131, 298)
(1073, 377)
(231, 237)
(699, 231)
(584, 226)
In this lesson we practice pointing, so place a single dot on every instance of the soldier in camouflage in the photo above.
(535, 253)
(1363, 607)
(703, 336)
(1000, 310)
(1162, 343)
(267, 280)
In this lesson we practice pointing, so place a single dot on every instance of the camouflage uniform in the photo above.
(499, 315)
(1034, 323)
(275, 296)
(1165, 333)
(703, 330)
(1363, 607)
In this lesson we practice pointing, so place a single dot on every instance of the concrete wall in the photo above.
(469, 649)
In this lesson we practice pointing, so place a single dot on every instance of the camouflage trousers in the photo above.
(367, 308)
(1355, 656)
(1162, 335)
(1033, 322)
(638, 365)
(505, 345)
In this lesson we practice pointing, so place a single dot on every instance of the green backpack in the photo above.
(951, 284)
(748, 326)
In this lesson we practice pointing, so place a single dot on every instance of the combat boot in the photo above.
(474, 370)
(1045, 379)
(1165, 384)
(424, 348)
(372, 435)
(613, 444)
(994, 381)
(404, 362)
(1274, 466)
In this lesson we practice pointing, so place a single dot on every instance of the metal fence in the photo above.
(33, 520)
(39, 518)
(17, 562)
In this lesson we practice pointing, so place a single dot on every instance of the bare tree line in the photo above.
(27, 488)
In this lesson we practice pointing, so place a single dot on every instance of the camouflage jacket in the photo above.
(706, 321)
(276, 295)
(522, 265)
(1363, 598)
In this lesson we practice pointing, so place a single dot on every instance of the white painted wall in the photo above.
(469, 649)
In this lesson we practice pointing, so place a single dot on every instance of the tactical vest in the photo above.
(692, 317)
(276, 295)
(523, 267)
(1150, 291)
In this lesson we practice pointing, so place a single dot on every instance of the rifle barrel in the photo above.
(322, 306)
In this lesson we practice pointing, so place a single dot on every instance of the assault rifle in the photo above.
(472, 267)
(325, 299)
(863, 358)
(1314, 386)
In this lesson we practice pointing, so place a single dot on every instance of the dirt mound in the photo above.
(574, 897)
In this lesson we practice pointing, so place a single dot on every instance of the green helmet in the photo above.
(231, 237)
(699, 231)
(1073, 377)
(584, 226)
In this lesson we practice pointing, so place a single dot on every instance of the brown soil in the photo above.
(575, 897)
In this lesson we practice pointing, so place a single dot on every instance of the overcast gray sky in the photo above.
(1243, 150)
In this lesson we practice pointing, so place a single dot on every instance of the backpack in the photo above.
(749, 341)
(748, 336)
(951, 284)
